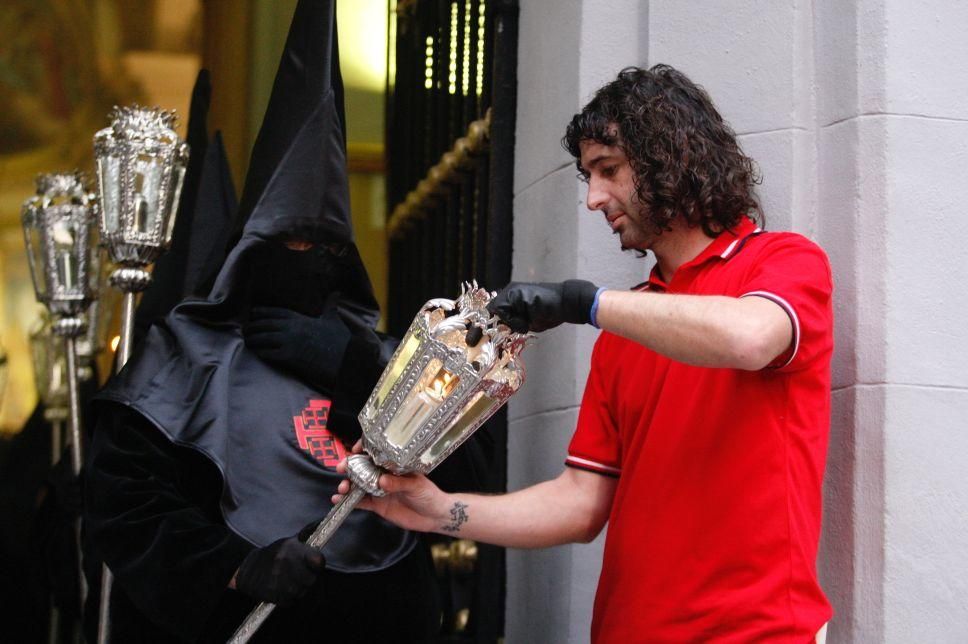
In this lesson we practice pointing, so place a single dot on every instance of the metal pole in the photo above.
(127, 329)
(364, 476)
(320, 536)
(76, 453)
(107, 579)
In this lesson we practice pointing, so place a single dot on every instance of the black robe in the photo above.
(158, 521)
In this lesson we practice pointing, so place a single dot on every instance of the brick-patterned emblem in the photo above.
(313, 437)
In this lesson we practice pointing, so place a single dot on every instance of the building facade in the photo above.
(857, 113)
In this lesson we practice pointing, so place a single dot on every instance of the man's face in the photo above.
(611, 189)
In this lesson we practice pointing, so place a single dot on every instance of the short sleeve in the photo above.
(595, 445)
(793, 272)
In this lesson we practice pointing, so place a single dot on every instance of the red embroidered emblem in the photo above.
(313, 436)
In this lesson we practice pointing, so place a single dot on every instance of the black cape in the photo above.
(202, 450)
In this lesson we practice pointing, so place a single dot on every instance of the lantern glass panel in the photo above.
(407, 352)
(57, 385)
(433, 387)
(147, 183)
(64, 237)
(174, 196)
(475, 408)
(109, 175)
(35, 242)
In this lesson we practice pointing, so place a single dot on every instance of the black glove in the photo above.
(525, 306)
(281, 572)
(310, 348)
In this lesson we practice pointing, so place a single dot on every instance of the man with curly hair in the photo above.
(702, 433)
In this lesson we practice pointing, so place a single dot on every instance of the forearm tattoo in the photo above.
(458, 517)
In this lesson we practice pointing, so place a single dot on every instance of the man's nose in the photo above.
(597, 198)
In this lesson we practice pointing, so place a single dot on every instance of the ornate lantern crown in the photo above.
(59, 234)
(140, 168)
(455, 367)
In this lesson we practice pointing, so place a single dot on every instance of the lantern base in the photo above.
(364, 474)
(68, 327)
(130, 279)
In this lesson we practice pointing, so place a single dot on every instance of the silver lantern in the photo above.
(456, 366)
(140, 169)
(59, 232)
(141, 164)
(60, 235)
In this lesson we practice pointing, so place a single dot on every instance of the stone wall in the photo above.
(857, 113)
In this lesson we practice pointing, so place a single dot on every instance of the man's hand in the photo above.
(281, 572)
(412, 502)
(526, 306)
(311, 348)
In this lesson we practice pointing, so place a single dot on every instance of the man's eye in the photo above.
(609, 171)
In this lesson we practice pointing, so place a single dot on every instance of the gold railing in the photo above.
(458, 159)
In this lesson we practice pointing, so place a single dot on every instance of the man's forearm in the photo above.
(701, 330)
(572, 508)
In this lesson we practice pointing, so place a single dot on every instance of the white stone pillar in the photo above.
(857, 113)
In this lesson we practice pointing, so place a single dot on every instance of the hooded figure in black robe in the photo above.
(218, 441)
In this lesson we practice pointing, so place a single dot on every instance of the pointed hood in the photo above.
(308, 71)
(297, 185)
(215, 209)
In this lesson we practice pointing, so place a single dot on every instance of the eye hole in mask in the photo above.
(299, 280)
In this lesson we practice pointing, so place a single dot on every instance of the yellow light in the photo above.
(465, 80)
(429, 64)
(363, 43)
(452, 63)
(115, 341)
(480, 48)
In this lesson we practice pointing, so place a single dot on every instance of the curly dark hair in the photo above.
(684, 156)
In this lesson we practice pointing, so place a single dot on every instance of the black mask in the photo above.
(296, 280)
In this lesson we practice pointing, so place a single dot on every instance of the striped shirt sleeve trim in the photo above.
(585, 464)
(786, 306)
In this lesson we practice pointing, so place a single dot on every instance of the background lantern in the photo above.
(58, 232)
(455, 367)
(58, 227)
(141, 165)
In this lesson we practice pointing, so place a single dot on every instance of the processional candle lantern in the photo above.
(50, 378)
(455, 367)
(141, 164)
(59, 233)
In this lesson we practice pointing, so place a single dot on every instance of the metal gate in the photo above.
(450, 158)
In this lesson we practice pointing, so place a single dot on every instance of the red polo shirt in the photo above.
(714, 526)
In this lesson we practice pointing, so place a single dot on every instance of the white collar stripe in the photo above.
(786, 306)
(584, 461)
(729, 249)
